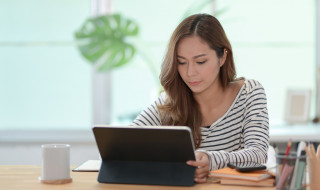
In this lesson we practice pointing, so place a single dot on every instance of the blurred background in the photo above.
(50, 92)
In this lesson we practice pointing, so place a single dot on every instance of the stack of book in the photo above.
(229, 176)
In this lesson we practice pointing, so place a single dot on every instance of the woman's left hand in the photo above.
(202, 165)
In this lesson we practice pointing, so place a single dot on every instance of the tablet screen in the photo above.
(151, 143)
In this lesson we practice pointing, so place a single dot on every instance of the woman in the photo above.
(228, 116)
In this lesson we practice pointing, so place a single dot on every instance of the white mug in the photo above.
(55, 164)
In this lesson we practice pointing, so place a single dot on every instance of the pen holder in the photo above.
(290, 171)
(314, 173)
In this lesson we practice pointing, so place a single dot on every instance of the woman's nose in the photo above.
(191, 69)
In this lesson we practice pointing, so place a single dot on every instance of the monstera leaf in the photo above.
(105, 41)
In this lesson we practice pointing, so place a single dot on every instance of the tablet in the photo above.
(154, 155)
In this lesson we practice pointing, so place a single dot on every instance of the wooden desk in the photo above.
(26, 177)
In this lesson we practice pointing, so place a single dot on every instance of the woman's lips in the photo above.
(194, 83)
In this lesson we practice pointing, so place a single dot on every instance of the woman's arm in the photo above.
(254, 133)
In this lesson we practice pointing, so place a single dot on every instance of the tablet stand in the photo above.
(150, 173)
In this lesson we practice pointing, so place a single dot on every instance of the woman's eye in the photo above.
(201, 62)
(181, 63)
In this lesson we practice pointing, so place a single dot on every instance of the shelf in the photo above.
(298, 132)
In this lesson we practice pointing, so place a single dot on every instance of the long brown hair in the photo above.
(180, 107)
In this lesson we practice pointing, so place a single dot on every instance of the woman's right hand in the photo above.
(202, 165)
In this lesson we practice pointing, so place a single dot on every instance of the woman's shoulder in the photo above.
(252, 85)
(161, 98)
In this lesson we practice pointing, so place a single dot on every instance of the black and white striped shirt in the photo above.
(240, 135)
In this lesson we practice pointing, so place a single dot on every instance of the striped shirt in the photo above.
(240, 135)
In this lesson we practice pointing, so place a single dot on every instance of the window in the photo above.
(45, 84)
(273, 42)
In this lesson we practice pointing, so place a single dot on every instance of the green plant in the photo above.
(111, 41)
(105, 41)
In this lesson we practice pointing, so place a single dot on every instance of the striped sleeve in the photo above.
(254, 133)
(150, 116)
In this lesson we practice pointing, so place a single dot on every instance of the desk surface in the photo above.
(26, 177)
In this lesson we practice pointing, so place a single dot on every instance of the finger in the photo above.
(201, 163)
(204, 167)
(193, 163)
(307, 151)
(198, 164)
(201, 180)
(313, 151)
(201, 175)
(202, 172)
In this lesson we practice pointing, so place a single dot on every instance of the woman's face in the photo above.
(198, 64)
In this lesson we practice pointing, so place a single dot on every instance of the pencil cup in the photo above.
(314, 173)
(290, 172)
(55, 164)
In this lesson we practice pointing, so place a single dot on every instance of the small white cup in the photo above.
(55, 164)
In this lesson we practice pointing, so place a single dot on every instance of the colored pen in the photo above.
(287, 153)
(288, 147)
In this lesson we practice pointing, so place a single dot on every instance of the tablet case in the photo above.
(145, 155)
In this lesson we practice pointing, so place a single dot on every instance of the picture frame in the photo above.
(297, 106)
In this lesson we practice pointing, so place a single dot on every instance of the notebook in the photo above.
(88, 166)
(269, 182)
(234, 174)
(154, 155)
